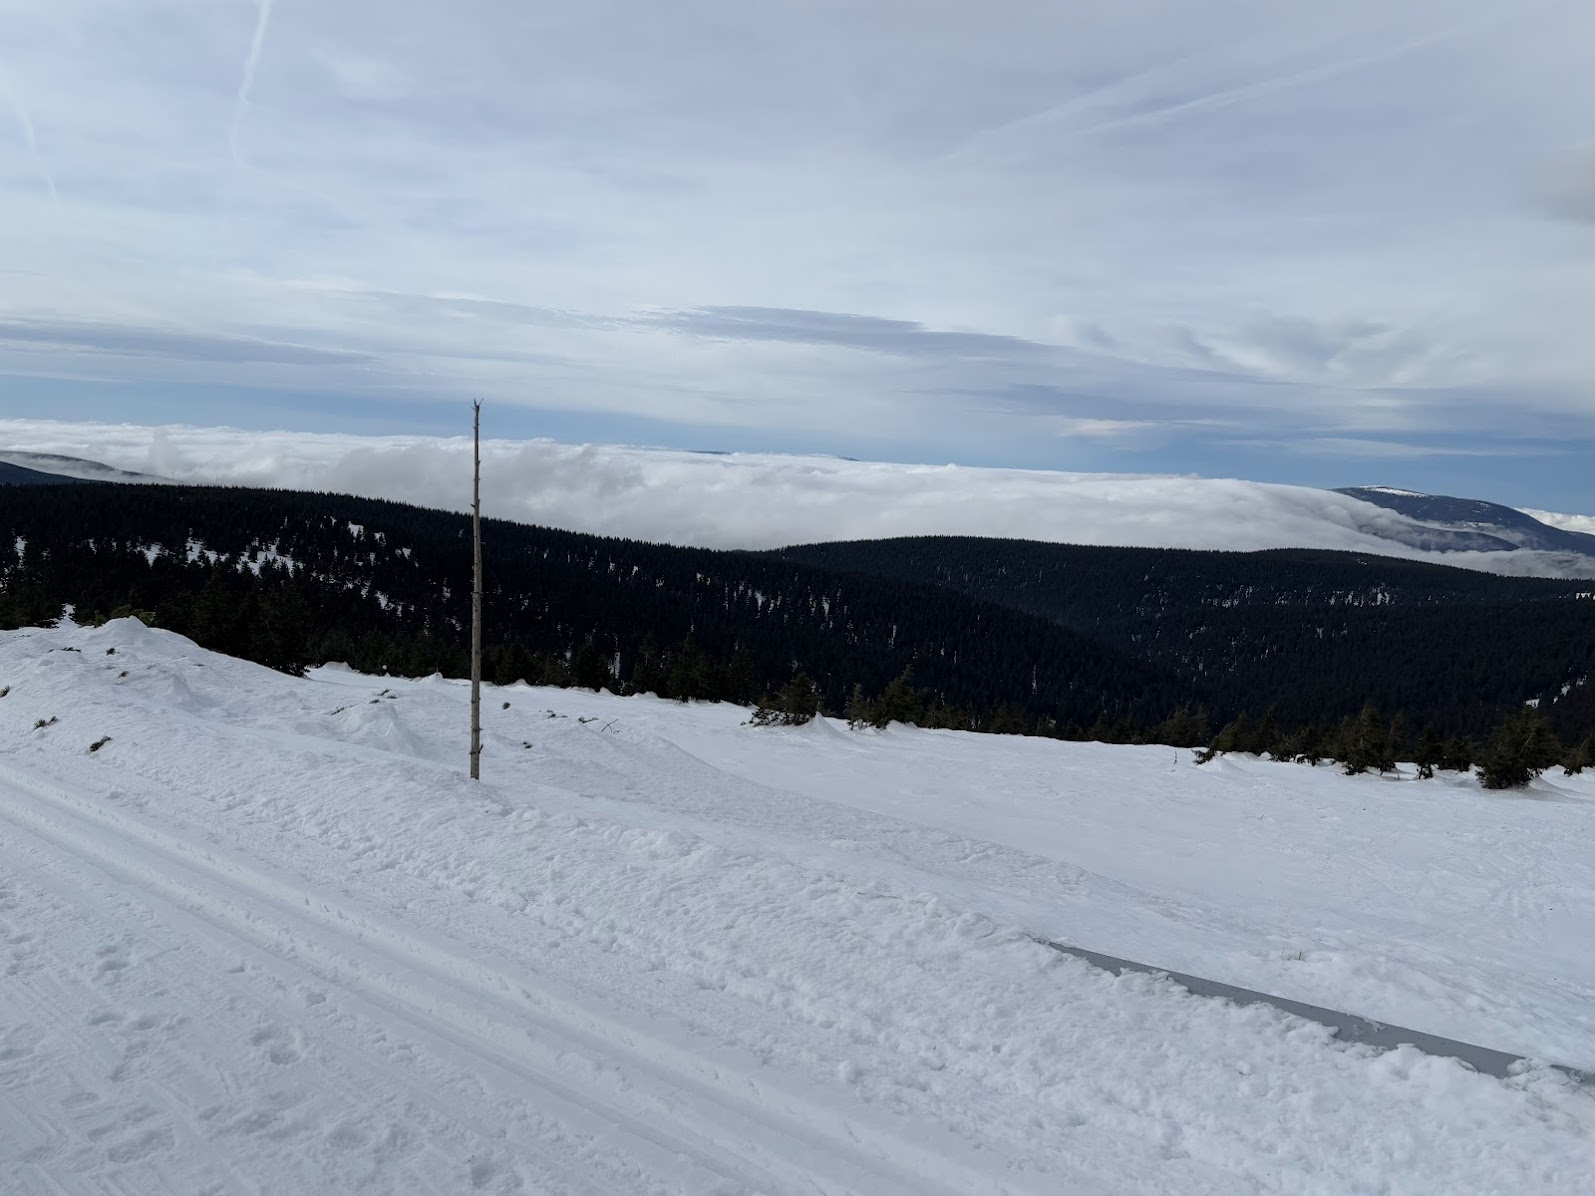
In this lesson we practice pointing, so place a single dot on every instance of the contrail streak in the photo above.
(251, 64)
(1057, 117)
(29, 137)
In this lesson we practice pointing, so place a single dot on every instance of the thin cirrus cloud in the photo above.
(872, 334)
(757, 500)
(124, 341)
(1150, 235)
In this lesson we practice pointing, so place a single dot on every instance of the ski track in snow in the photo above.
(268, 939)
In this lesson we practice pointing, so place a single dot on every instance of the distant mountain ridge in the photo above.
(1250, 516)
(1468, 524)
(19, 475)
(54, 468)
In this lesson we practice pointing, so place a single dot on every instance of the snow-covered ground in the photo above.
(267, 938)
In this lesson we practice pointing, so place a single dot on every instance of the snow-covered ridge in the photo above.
(262, 932)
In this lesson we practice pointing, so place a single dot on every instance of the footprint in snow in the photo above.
(141, 1146)
(281, 1047)
(492, 1175)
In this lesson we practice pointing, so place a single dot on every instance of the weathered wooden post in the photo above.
(476, 597)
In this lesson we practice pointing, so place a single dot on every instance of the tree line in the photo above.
(1313, 635)
(293, 580)
(1522, 745)
(1160, 647)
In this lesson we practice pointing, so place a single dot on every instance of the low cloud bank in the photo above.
(749, 500)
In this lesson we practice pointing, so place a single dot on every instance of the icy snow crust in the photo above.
(267, 938)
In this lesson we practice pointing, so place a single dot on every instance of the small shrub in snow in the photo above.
(796, 704)
(45, 722)
(99, 743)
(765, 716)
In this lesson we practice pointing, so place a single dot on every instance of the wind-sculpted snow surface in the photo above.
(266, 937)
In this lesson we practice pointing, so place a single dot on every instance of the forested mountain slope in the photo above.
(999, 634)
(1312, 633)
(12, 474)
(292, 579)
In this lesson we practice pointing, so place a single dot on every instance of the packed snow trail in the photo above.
(267, 938)
(471, 1003)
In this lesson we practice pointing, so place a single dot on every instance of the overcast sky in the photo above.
(1328, 243)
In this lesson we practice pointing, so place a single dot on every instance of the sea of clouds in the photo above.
(759, 500)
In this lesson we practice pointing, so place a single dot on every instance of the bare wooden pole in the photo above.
(476, 597)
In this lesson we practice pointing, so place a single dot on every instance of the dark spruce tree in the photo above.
(1457, 755)
(1395, 743)
(1429, 754)
(857, 711)
(1266, 739)
(1522, 747)
(899, 702)
(1364, 742)
(1580, 757)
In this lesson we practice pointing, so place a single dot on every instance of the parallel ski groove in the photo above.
(836, 1154)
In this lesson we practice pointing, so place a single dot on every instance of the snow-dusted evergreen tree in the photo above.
(1522, 747)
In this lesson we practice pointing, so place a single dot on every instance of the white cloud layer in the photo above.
(1568, 523)
(748, 500)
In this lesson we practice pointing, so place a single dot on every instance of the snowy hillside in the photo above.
(259, 934)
